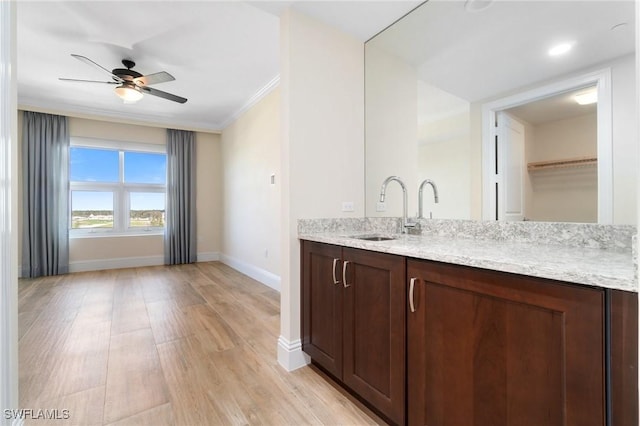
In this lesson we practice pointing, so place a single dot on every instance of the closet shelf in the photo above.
(562, 164)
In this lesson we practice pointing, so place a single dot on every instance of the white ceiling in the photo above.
(553, 108)
(478, 55)
(224, 55)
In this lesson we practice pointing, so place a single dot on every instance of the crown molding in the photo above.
(260, 94)
(38, 105)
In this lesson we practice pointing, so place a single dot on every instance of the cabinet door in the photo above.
(374, 333)
(322, 305)
(488, 348)
(624, 358)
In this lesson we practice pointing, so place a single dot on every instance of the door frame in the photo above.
(506, 121)
(8, 213)
(602, 80)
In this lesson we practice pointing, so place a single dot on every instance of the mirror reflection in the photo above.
(516, 110)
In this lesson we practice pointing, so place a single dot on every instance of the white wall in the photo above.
(322, 90)
(564, 195)
(443, 156)
(625, 141)
(251, 204)
(125, 251)
(563, 139)
(391, 131)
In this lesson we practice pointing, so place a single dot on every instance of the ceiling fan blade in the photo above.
(161, 94)
(159, 77)
(90, 62)
(75, 80)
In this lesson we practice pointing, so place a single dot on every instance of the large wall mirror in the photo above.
(516, 110)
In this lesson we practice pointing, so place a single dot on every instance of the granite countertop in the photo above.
(607, 268)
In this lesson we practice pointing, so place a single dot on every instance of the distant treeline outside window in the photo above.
(104, 218)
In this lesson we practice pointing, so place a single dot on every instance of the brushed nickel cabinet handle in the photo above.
(344, 274)
(335, 263)
(412, 284)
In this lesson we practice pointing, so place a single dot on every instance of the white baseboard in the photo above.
(130, 262)
(209, 256)
(265, 277)
(115, 263)
(290, 355)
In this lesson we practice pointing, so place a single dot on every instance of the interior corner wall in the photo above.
(391, 131)
(251, 202)
(322, 90)
(128, 251)
(625, 141)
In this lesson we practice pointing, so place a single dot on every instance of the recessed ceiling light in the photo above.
(587, 98)
(477, 5)
(560, 49)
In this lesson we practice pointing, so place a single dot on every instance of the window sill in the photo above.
(115, 234)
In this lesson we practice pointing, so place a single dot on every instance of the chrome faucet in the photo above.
(435, 195)
(405, 219)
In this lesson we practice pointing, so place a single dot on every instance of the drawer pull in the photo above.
(344, 274)
(335, 264)
(412, 284)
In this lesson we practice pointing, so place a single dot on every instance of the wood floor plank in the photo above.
(25, 321)
(83, 360)
(161, 415)
(97, 303)
(135, 382)
(32, 296)
(129, 308)
(321, 396)
(193, 381)
(176, 290)
(168, 322)
(257, 388)
(39, 353)
(166, 345)
(82, 408)
(209, 324)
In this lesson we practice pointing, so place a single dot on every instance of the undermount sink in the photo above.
(374, 238)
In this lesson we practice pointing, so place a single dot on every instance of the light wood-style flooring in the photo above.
(184, 345)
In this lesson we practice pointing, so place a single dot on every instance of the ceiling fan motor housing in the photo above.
(127, 74)
(131, 84)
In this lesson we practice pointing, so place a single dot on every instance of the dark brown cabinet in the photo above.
(623, 357)
(491, 348)
(353, 322)
(429, 343)
(322, 299)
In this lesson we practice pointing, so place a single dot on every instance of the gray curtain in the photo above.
(45, 195)
(180, 215)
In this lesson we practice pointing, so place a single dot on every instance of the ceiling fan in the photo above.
(131, 85)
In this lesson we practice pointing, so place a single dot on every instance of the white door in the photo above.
(511, 168)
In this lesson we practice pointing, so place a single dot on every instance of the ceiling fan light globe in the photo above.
(128, 94)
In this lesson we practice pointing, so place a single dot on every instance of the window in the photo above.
(116, 188)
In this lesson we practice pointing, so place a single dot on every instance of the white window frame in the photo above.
(121, 190)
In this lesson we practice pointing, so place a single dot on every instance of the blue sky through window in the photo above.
(91, 200)
(93, 165)
(102, 166)
(144, 167)
(147, 200)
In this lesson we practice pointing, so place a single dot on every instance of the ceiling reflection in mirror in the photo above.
(430, 74)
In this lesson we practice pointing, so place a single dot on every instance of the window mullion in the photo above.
(123, 205)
